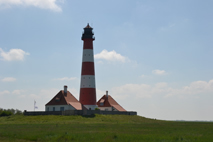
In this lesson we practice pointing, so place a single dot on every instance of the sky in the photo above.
(154, 57)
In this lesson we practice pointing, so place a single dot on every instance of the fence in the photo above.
(80, 112)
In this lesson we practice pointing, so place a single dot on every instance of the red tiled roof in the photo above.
(65, 99)
(109, 102)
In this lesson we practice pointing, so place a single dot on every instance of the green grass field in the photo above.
(104, 128)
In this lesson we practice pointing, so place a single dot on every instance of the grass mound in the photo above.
(101, 128)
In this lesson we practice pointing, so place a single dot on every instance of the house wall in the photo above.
(108, 108)
(58, 107)
(92, 107)
(105, 108)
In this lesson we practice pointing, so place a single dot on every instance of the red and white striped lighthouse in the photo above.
(87, 88)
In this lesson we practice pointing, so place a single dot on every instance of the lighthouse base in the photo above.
(91, 107)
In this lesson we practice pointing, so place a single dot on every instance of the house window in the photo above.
(101, 104)
(113, 109)
(47, 108)
(57, 99)
(106, 109)
(61, 108)
(53, 108)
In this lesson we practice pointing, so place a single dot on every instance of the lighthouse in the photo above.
(87, 85)
(65, 102)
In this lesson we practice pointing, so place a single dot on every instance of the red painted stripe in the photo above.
(88, 68)
(88, 43)
(88, 96)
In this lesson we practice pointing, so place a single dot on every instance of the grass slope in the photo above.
(104, 128)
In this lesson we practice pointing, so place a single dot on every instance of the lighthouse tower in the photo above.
(87, 88)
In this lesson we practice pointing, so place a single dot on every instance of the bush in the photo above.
(8, 112)
(5, 113)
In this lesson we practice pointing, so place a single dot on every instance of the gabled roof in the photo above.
(109, 102)
(65, 99)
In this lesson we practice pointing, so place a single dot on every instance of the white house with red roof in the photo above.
(64, 100)
(107, 103)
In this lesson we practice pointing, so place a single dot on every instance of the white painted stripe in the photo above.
(88, 55)
(87, 81)
(92, 107)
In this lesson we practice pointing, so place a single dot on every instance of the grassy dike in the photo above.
(104, 128)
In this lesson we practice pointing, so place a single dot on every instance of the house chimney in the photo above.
(65, 90)
(107, 94)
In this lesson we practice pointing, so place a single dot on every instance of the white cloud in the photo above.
(66, 78)
(197, 88)
(4, 92)
(8, 79)
(161, 85)
(44, 4)
(18, 92)
(159, 72)
(110, 56)
(13, 54)
(138, 90)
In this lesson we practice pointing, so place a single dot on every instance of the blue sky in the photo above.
(154, 57)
